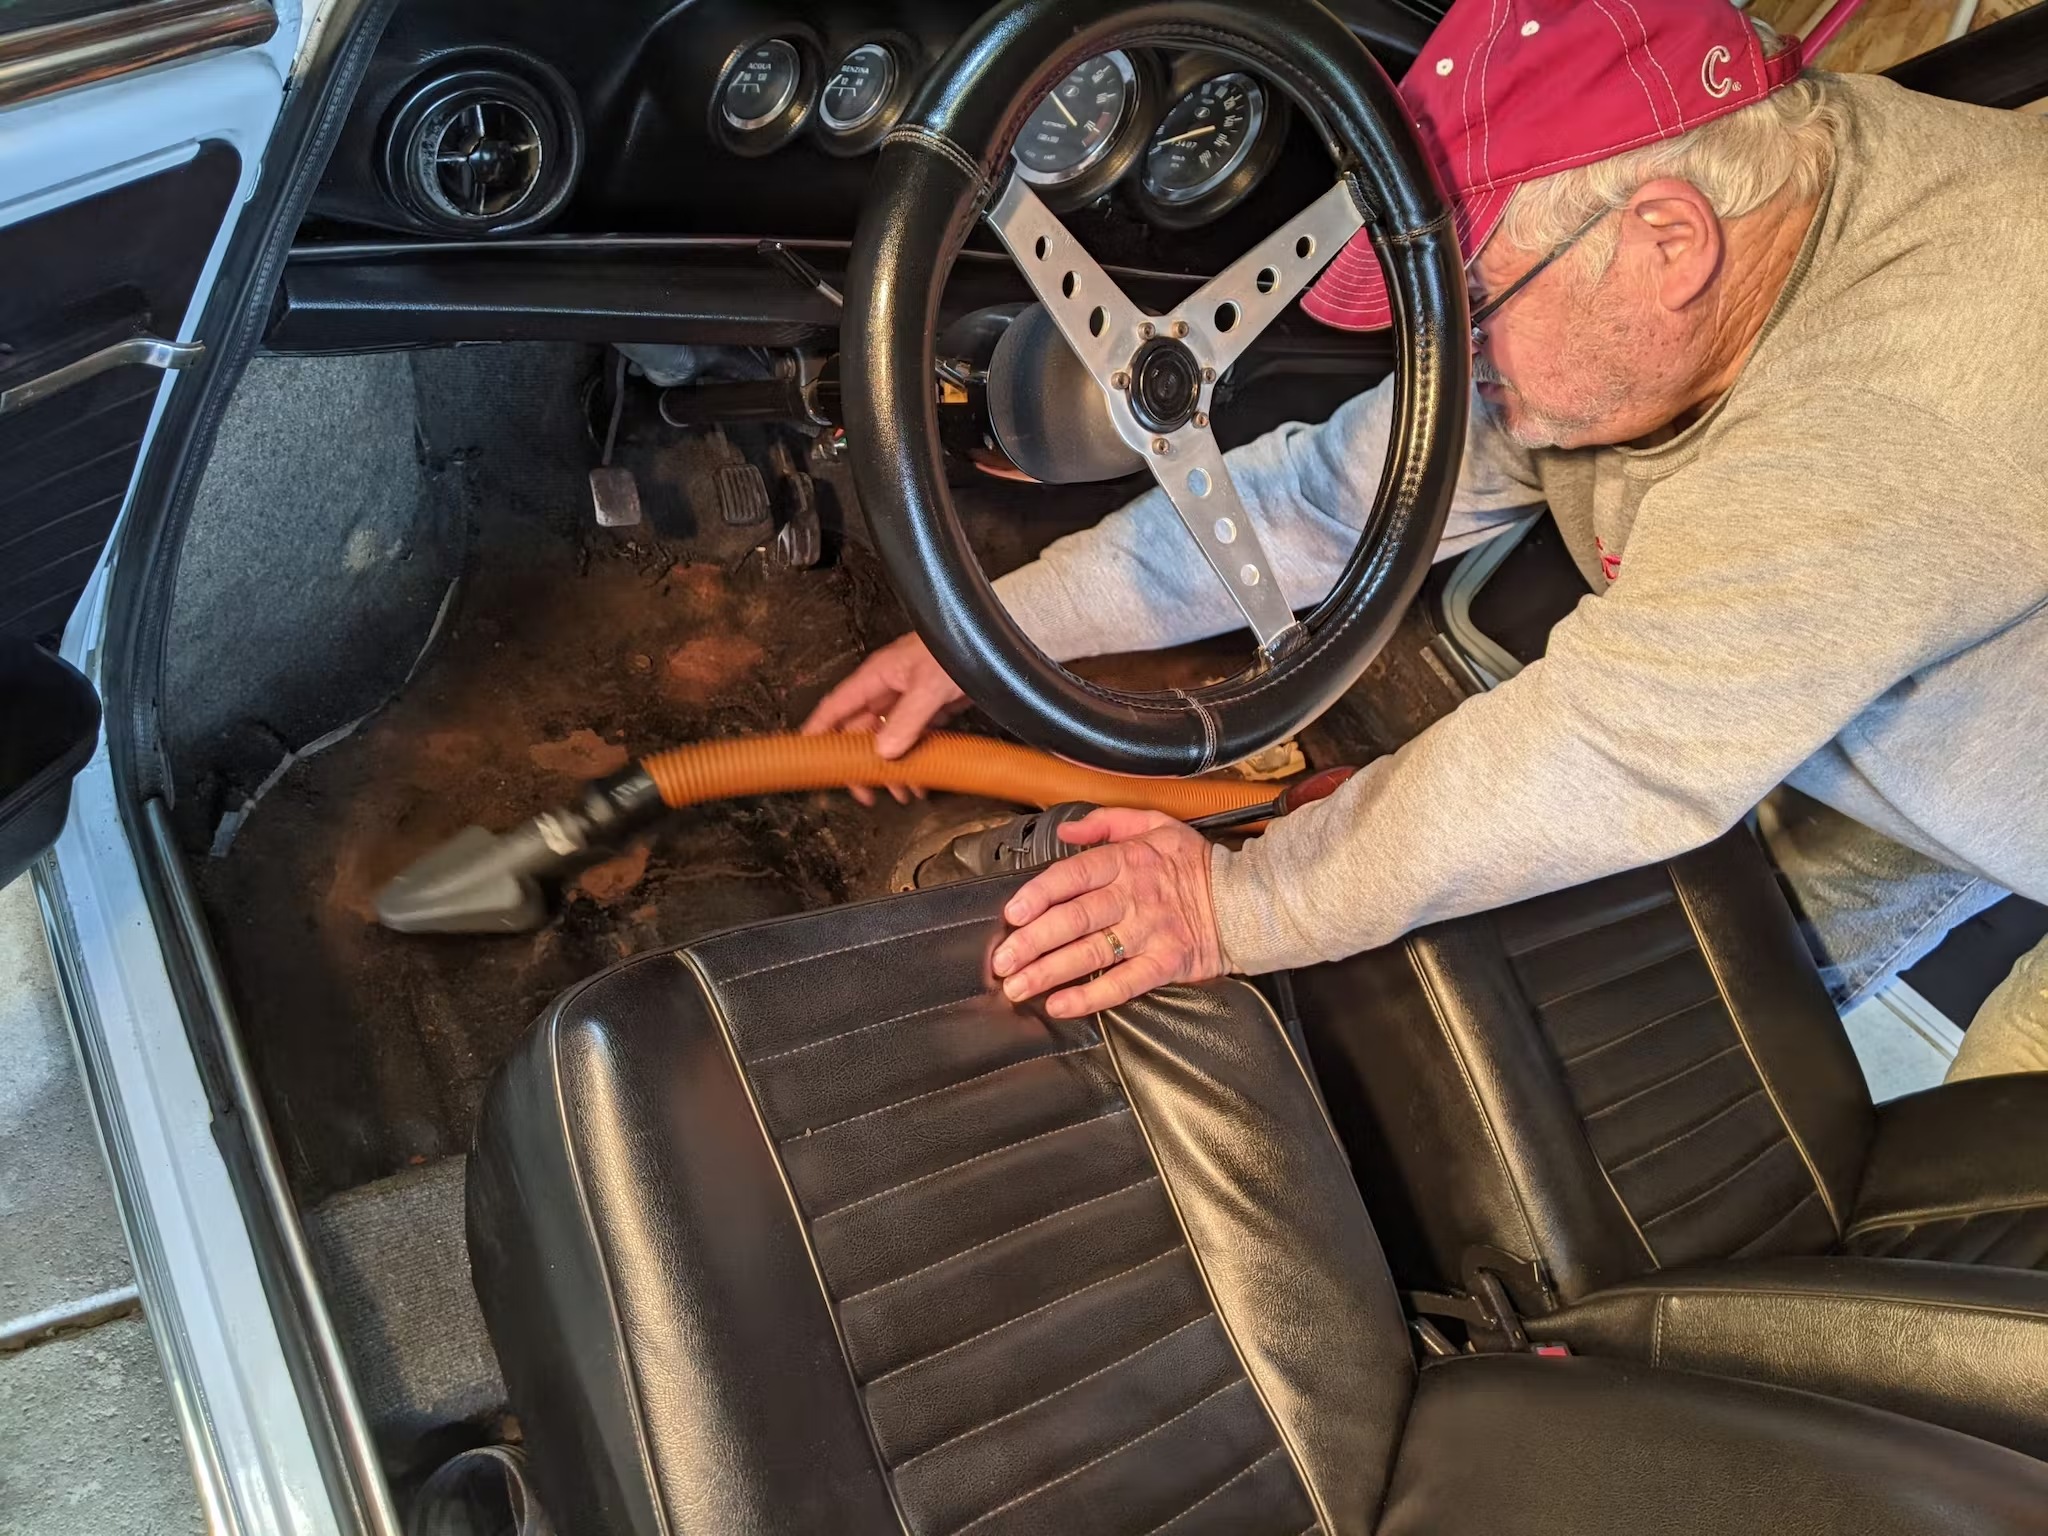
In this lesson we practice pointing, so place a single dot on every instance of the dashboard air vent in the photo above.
(482, 151)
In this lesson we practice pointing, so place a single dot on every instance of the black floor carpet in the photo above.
(395, 1271)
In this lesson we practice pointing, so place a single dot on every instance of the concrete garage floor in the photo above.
(87, 1440)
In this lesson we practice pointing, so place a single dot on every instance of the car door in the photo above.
(131, 133)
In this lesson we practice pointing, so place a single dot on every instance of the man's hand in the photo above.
(897, 693)
(1148, 883)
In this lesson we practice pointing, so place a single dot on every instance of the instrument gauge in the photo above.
(858, 89)
(761, 85)
(1222, 131)
(1074, 128)
(1204, 138)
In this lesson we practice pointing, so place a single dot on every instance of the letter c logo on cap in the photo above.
(1710, 73)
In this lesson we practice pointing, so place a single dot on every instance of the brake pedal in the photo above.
(742, 495)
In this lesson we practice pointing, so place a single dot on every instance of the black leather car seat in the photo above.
(805, 1229)
(1635, 1104)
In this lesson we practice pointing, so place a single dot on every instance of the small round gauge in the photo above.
(761, 84)
(1204, 138)
(858, 89)
(1076, 124)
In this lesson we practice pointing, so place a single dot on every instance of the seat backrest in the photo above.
(1641, 1072)
(805, 1228)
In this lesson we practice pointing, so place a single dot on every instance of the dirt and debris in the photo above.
(698, 670)
(374, 1048)
(567, 657)
(582, 754)
(571, 651)
(612, 880)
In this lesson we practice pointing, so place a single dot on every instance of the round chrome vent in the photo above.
(480, 156)
(483, 151)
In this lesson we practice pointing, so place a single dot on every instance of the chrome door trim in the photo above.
(145, 1247)
(39, 61)
(336, 1382)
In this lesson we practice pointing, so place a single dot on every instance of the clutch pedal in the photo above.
(615, 496)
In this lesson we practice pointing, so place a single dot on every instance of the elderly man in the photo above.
(1765, 343)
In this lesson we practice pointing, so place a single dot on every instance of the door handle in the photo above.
(143, 351)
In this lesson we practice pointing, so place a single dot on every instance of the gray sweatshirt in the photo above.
(1838, 576)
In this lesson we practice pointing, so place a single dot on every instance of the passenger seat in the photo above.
(1629, 1113)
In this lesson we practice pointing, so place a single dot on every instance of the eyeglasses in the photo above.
(1491, 307)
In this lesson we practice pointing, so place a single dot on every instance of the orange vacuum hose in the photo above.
(943, 760)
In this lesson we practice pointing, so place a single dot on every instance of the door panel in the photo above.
(130, 140)
(85, 275)
(260, 1436)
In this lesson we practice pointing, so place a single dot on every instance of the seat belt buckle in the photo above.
(1492, 1326)
(1486, 1307)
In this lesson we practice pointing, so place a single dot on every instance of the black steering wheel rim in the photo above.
(939, 171)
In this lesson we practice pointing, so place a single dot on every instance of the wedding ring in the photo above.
(1116, 947)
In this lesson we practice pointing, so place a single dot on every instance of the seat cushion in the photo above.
(806, 1228)
(1961, 1345)
(1959, 1174)
(1539, 1447)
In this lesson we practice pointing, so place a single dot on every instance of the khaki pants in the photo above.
(2010, 1032)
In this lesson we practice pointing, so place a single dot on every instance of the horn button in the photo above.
(1166, 382)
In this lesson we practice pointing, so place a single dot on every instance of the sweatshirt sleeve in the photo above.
(1138, 581)
(1764, 602)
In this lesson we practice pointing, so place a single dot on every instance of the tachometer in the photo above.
(1204, 138)
(1076, 125)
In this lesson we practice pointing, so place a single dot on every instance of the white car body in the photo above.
(261, 1450)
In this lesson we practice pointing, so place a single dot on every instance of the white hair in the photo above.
(1739, 162)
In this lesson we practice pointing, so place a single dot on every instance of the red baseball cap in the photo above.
(1508, 91)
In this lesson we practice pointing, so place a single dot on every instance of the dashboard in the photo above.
(480, 121)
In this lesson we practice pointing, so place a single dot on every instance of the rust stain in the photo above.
(582, 754)
(699, 669)
(611, 882)
(352, 891)
(703, 583)
(451, 749)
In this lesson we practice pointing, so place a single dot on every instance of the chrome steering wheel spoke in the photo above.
(1227, 314)
(1196, 480)
(1099, 323)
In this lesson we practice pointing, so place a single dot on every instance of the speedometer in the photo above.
(1222, 131)
(1204, 138)
(1077, 123)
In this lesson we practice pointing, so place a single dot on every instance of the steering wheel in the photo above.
(946, 165)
